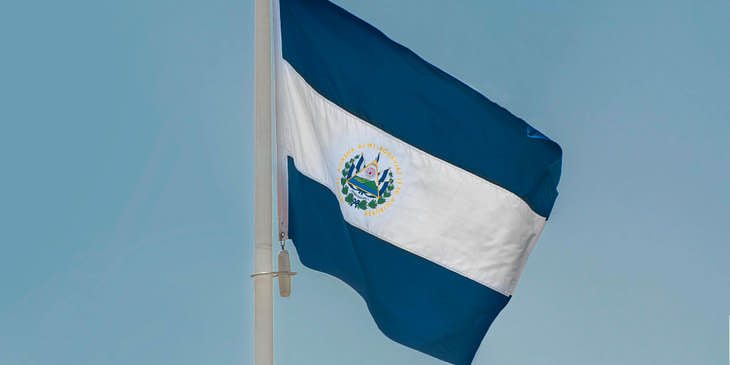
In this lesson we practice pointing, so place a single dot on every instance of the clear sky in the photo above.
(126, 187)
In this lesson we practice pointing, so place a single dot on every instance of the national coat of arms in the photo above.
(370, 178)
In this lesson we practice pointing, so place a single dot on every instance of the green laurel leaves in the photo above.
(347, 171)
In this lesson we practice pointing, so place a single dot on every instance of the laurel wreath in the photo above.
(363, 204)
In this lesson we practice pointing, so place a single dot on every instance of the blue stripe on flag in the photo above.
(360, 69)
(413, 301)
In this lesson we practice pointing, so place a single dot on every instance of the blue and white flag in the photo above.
(417, 191)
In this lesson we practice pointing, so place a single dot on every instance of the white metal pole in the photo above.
(263, 233)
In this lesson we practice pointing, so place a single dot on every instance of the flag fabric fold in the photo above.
(411, 187)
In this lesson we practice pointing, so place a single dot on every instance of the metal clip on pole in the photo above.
(284, 274)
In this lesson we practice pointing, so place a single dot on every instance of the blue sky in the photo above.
(127, 196)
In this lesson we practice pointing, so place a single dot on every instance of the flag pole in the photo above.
(263, 230)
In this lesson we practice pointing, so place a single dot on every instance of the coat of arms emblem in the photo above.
(369, 183)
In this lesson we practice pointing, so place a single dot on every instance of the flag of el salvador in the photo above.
(411, 187)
